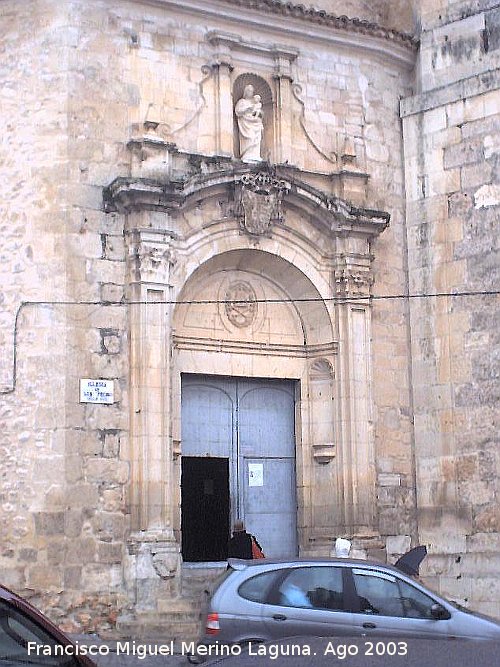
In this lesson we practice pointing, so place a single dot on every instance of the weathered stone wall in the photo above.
(453, 197)
(32, 361)
(80, 76)
(63, 476)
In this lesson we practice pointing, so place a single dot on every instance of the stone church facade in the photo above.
(308, 341)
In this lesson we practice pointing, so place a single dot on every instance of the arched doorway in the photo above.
(246, 325)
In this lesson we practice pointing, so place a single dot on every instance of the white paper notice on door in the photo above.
(255, 474)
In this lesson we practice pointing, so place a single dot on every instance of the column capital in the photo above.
(152, 257)
(222, 59)
(353, 282)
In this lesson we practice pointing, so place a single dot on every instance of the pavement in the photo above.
(133, 653)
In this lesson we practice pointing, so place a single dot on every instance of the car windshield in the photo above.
(472, 612)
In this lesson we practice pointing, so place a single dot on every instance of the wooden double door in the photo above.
(238, 462)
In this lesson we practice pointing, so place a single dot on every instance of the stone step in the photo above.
(158, 627)
(195, 581)
(188, 606)
(180, 618)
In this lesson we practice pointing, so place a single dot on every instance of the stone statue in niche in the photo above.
(248, 112)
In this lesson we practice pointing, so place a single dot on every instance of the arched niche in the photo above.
(262, 88)
(322, 394)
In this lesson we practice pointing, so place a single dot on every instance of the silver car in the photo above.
(263, 600)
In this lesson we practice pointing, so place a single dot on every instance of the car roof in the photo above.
(7, 594)
(240, 564)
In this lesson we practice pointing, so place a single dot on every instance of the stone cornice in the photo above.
(335, 215)
(322, 17)
(247, 347)
(233, 41)
(295, 21)
(456, 91)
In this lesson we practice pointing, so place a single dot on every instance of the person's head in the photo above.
(239, 526)
(257, 98)
(248, 91)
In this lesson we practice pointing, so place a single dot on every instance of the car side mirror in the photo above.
(439, 613)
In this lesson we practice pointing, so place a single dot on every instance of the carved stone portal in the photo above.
(260, 202)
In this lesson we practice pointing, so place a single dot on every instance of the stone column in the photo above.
(155, 554)
(357, 457)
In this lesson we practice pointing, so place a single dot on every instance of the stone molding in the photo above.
(239, 347)
(334, 214)
(295, 21)
(225, 42)
(324, 452)
(460, 90)
(324, 18)
(301, 13)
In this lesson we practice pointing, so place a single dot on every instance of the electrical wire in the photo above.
(339, 299)
(319, 299)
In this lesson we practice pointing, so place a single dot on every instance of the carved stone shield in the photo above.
(240, 304)
(261, 195)
(258, 209)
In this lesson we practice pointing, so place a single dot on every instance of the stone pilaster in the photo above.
(283, 108)
(151, 259)
(154, 555)
(357, 454)
(327, 512)
(222, 65)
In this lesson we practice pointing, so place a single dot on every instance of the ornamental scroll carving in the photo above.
(261, 202)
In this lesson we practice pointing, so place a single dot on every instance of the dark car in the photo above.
(27, 637)
(264, 600)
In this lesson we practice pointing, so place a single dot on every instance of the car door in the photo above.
(389, 606)
(308, 600)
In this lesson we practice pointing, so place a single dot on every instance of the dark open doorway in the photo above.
(205, 508)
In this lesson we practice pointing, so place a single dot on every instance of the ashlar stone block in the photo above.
(397, 544)
(49, 523)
